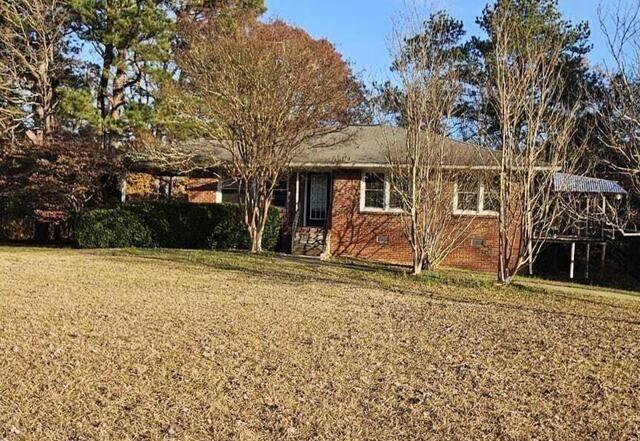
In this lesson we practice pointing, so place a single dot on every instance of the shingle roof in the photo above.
(564, 182)
(354, 147)
(360, 146)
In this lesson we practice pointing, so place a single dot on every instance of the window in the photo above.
(230, 193)
(468, 196)
(395, 200)
(491, 196)
(377, 194)
(280, 193)
(374, 191)
(475, 197)
(163, 187)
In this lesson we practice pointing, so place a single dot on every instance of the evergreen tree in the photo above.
(541, 19)
(132, 38)
(439, 30)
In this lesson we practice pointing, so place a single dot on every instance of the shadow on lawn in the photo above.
(281, 269)
(468, 290)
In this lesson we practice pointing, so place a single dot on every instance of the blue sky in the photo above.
(360, 28)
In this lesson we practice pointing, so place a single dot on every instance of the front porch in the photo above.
(310, 218)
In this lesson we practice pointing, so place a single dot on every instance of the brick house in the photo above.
(336, 200)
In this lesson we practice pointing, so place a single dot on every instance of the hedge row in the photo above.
(171, 225)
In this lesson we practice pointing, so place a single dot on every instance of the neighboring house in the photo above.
(337, 199)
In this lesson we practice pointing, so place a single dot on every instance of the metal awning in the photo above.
(564, 182)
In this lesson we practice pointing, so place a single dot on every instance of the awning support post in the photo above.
(586, 271)
(573, 261)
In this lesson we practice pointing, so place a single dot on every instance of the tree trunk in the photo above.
(418, 263)
(102, 94)
(256, 213)
(119, 80)
(256, 240)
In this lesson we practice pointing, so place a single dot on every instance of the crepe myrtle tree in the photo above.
(524, 87)
(263, 90)
(427, 87)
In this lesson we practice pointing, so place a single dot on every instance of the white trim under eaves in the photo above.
(376, 166)
(380, 166)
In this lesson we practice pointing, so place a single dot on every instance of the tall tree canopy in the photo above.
(35, 62)
(439, 30)
(132, 38)
(262, 90)
(539, 20)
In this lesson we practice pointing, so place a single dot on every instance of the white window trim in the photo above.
(386, 198)
(480, 211)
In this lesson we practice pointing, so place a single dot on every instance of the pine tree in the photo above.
(132, 37)
(542, 19)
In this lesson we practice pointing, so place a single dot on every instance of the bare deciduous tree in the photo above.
(620, 114)
(426, 53)
(524, 89)
(31, 43)
(10, 112)
(263, 90)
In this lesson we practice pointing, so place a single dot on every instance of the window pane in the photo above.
(230, 196)
(468, 201)
(374, 199)
(468, 194)
(492, 195)
(395, 200)
(374, 190)
(374, 181)
(280, 194)
(230, 193)
(468, 185)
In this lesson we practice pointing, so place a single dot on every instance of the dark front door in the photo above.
(317, 206)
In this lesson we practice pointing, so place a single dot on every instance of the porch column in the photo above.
(123, 189)
(297, 196)
(586, 271)
(296, 213)
(573, 260)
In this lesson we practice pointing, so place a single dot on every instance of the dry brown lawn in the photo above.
(181, 345)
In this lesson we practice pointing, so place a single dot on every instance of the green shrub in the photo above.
(115, 228)
(271, 234)
(184, 225)
(230, 233)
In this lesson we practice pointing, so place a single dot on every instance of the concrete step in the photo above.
(309, 241)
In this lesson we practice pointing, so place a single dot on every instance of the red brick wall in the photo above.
(202, 190)
(358, 235)
(355, 234)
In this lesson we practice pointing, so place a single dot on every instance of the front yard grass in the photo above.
(190, 345)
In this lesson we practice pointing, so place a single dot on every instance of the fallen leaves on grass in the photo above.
(190, 346)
